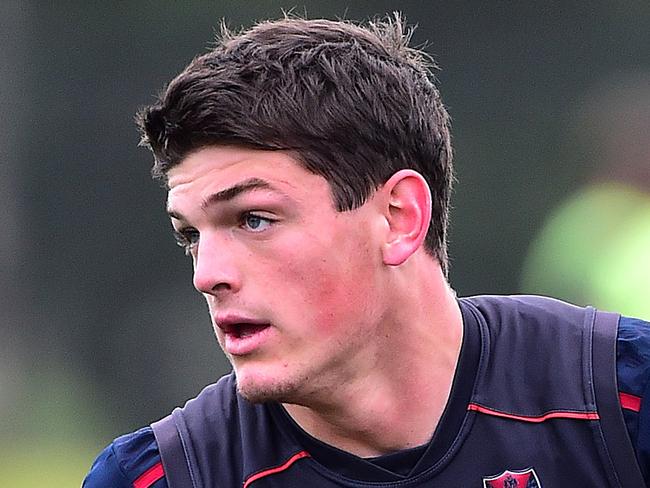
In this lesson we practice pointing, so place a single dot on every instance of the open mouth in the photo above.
(243, 330)
(243, 338)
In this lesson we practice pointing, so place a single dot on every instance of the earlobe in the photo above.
(408, 213)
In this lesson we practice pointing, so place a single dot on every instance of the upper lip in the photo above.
(227, 322)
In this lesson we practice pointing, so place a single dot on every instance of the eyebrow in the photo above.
(228, 194)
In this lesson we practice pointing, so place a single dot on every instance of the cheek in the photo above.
(332, 291)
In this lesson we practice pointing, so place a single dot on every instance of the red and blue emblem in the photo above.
(513, 479)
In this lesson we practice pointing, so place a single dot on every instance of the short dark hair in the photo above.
(353, 103)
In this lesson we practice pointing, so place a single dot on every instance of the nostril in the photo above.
(221, 286)
(213, 283)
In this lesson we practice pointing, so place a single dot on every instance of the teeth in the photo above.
(241, 330)
(245, 330)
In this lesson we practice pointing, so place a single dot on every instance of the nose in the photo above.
(215, 267)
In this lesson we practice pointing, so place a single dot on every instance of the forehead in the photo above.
(218, 168)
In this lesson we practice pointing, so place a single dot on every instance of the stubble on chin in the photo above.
(280, 391)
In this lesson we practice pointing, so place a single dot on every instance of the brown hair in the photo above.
(353, 103)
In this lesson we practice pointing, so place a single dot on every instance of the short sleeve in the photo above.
(105, 472)
(132, 460)
(633, 373)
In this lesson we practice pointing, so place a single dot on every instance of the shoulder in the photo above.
(514, 319)
(531, 307)
(134, 460)
(633, 376)
(130, 460)
(633, 368)
(633, 354)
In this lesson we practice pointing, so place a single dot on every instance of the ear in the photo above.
(407, 209)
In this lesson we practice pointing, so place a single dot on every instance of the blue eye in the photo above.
(256, 223)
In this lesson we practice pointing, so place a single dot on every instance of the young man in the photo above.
(308, 166)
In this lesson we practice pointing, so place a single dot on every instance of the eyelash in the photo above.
(247, 215)
(188, 237)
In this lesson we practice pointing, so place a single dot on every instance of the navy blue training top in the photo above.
(133, 460)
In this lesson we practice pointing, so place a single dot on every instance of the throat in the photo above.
(368, 432)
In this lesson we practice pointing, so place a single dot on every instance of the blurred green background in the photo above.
(101, 331)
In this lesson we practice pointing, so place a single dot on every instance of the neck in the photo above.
(395, 400)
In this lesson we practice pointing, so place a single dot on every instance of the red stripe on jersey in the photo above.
(149, 477)
(535, 419)
(630, 402)
(270, 471)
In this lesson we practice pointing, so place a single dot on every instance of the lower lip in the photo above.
(246, 344)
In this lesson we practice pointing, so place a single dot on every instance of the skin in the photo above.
(355, 329)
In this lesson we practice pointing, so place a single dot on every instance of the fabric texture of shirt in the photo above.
(133, 460)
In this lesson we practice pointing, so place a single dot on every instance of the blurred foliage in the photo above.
(101, 330)
(595, 249)
(47, 463)
(51, 434)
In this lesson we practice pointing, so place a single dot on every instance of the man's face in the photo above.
(292, 285)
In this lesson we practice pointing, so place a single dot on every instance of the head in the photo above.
(302, 158)
(354, 104)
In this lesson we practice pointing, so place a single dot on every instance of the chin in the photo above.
(259, 389)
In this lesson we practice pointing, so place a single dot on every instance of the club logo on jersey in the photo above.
(513, 479)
